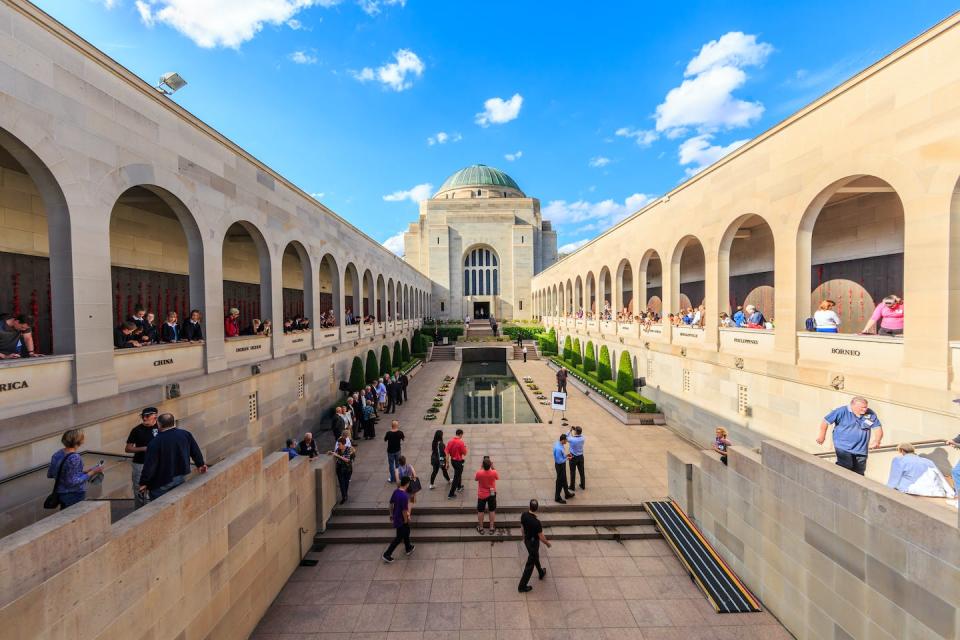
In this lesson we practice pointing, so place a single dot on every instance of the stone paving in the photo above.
(594, 590)
(624, 464)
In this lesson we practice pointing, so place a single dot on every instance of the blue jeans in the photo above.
(176, 482)
(855, 462)
(956, 477)
(393, 463)
(71, 498)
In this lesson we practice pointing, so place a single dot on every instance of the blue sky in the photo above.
(593, 109)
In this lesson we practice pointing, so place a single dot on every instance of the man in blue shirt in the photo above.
(575, 440)
(291, 448)
(560, 457)
(739, 319)
(852, 429)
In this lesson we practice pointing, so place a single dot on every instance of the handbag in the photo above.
(415, 485)
(53, 500)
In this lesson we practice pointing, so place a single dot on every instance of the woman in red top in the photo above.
(487, 494)
(231, 324)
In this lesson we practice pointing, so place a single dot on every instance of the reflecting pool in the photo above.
(487, 393)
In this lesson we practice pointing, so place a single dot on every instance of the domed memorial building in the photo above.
(481, 240)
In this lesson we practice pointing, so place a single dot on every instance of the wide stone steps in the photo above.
(531, 353)
(443, 353)
(458, 524)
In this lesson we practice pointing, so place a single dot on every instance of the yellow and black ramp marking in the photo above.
(722, 587)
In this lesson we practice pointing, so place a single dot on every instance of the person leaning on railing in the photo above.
(16, 337)
(66, 467)
(887, 317)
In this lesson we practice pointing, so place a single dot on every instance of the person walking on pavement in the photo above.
(856, 428)
(532, 537)
(486, 479)
(575, 440)
(140, 436)
(400, 518)
(438, 458)
(524, 353)
(345, 455)
(456, 452)
(391, 394)
(562, 380)
(393, 438)
(560, 458)
(404, 383)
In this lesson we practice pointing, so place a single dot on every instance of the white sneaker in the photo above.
(431, 487)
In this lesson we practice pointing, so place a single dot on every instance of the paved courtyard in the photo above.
(594, 590)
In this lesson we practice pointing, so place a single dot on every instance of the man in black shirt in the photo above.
(167, 461)
(532, 537)
(308, 446)
(404, 381)
(192, 329)
(123, 337)
(391, 386)
(393, 439)
(140, 436)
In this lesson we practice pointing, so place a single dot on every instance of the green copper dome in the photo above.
(478, 175)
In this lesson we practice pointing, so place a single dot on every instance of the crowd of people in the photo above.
(140, 329)
(162, 453)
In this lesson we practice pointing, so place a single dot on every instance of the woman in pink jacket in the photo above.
(887, 317)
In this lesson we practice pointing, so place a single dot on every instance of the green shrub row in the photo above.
(361, 375)
(630, 401)
(525, 333)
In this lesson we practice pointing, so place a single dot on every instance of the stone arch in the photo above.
(330, 281)
(746, 260)
(248, 290)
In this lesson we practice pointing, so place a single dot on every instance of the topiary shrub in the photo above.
(384, 360)
(404, 351)
(589, 362)
(575, 357)
(603, 364)
(397, 359)
(356, 374)
(625, 373)
(567, 349)
(372, 370)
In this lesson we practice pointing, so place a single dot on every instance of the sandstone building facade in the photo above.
(480, 240)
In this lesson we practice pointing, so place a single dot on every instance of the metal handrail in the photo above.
(39, 467)
(891, 447)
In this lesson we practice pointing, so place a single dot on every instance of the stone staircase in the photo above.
(532, 353)
(479, 329)
(443, 352)
(458, 524)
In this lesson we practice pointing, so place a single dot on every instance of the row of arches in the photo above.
(159, 259)
(849, 249)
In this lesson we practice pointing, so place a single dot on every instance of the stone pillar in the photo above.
(213, 311)
(711, 290)
(271, 294)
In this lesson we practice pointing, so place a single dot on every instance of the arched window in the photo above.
(480, 273)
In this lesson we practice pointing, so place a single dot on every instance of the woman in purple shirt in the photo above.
(66, 467)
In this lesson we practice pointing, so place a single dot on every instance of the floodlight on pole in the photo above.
(170, 83)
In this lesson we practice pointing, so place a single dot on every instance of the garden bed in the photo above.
(644, 412)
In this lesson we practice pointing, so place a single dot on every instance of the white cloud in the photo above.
(704, 100)
(373, 7)
(397, 75)
(599, 161)
(593, 215)
(395, 243)
(416, 194)
(700, 153)
(110, 4)
(570, 247)
(513, 156)
(499, 111)
(317, 195)
(295, 24)
(302, 57)
(442, 137)
(644, 137)
(222, 23)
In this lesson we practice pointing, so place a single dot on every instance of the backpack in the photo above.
(810, 324)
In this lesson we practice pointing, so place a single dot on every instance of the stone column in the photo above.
(711, 291)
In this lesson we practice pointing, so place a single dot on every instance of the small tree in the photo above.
(372, 370)
(576, 359)
(384, 360)
(567, 349)
(625, 373)
(397, 358)
(603, 365)
(589, 358)
(356, 374)
(405, 350)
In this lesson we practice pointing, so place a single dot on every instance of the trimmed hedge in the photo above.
(576, 359)
(372, 370)
(356, 374)
(440, 331)
(548, 343)
(404, 350)
(603, 365)
(397, 358)
(568, 349)
(384, 360)
(625, 373)
(589, 358)
(525, 333)
(631, 401)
